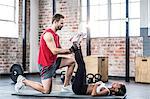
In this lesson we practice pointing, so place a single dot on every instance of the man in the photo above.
(49, 61)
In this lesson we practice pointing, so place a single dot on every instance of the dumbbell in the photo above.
(15, 71)
(90, 78)
(97, 77)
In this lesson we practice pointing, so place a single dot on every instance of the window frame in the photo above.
(113, 19)
(10, 27)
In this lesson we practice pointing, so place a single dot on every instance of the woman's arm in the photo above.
(103, 91)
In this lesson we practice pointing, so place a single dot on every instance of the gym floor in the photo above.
(134, 90)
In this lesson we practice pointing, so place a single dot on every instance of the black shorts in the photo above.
(49, 71)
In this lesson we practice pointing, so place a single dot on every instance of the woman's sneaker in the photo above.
(19, 83)
(67, 89)
(78, 37)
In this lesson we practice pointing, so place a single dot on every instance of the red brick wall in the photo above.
(68, 8)
(8, 53)
(71, 10)
(45, 14)
(114, 49)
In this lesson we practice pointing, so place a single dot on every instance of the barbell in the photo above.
(15, 71)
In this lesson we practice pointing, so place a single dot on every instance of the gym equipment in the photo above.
(98, 77)
(65, 95)
(72, 78)
(62, 76)
(15, 71)
(97, 65)
(90, 78)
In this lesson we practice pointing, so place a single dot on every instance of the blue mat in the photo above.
(66, 95)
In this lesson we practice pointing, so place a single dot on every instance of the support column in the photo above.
(24, 5)
(127, 79)
(34, 21)
(88, 39)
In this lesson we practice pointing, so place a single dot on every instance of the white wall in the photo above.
(148, 17)
(148, 13)
(144, 14)
(34, 14)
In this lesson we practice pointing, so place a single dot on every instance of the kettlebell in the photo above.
(73, 76)
(62, 76)
(72, 79)
(90, 78)
(97, 77)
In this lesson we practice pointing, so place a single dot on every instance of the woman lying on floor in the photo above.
(80, 87)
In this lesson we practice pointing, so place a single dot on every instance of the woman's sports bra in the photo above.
(102, 85)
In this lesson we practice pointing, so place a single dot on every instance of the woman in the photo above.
(79, 85)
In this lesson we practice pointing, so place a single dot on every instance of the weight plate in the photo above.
(15, 71)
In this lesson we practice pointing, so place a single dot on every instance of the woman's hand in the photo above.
(102, 92)
(94, 93)
(99, 82)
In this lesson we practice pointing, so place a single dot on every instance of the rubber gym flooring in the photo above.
(134, 90)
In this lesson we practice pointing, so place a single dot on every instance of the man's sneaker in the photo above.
(20, 78)
(67, 89)
(19, 83)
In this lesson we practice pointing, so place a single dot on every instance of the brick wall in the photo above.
(68, 8)
(45, 14)
(71, 10)
(8, 53)
(114, 49)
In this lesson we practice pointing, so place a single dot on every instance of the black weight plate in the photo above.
(15, 71)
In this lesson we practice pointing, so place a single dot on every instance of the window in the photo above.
(9, 18)
(117, 18)
(107, 18)
(134, 17)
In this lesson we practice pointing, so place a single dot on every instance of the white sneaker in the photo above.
(78, 37)
(20, 78)
(19, 83)
(67, 89)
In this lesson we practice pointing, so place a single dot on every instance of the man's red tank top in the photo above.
(46, 57)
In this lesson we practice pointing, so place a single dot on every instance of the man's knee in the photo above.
(73, 63)
(46, 91)
(70, 63)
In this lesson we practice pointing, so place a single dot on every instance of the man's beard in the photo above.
(59, 28)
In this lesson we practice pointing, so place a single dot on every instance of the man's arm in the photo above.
(49, 39)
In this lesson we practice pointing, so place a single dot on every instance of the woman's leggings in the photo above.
(79, 86)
